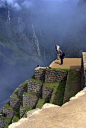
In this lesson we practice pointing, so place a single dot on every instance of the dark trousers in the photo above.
(61, 57)
(61, 60)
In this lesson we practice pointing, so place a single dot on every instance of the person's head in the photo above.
(38, 65)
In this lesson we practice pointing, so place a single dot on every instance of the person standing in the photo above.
(57, 47)
(61, 54)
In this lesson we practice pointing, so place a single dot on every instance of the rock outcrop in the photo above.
(71, 115)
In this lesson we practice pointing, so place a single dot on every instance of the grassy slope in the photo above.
(73, 84)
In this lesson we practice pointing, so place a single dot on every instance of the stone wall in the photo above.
(15, 102)
(70, 115)
(22, 112)
(28, 93)
(34, 87)
(83, 69)
(46, 92)
(9, 112)
(2, 122)
(40, 73)
(52, 76)
(22, 89)
(29, 101)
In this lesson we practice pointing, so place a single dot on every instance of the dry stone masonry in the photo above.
(34, 90)
(9, 112)
(15, 102)
(52, 76)
(29, 92)
(2, 122)
(34, 87)
(22, 89)
(40, 73)
(29, 101)
(47, 92)
(22, 112)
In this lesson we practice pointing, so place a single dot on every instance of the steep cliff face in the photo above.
(14, 32)
(20, 50)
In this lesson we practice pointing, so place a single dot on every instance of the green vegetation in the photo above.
(73, 84)
(8, 120)
(33, 79)
(7, 105)
(16, 117)
(58, 92)
(1, 111)
(11, 108)
(28, 109)
(24, 84)
(29, 94)
(41, 102)
(61, 69)
(15, 94)
(51, 85)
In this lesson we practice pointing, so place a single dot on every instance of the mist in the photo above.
(17, 5)
(40, 24)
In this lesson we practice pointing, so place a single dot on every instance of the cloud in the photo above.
(26, 4)
(13, 3)
(9, 2)
(16, 4)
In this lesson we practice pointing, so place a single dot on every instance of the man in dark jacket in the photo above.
(61, 54)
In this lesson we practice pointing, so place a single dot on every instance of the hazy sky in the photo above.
(18, 4)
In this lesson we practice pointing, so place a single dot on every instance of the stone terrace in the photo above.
(71, 115)
(24, 92)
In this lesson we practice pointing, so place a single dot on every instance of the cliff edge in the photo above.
(68, 63)
(71, 115)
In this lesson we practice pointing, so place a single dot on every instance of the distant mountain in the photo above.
(21, 50)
